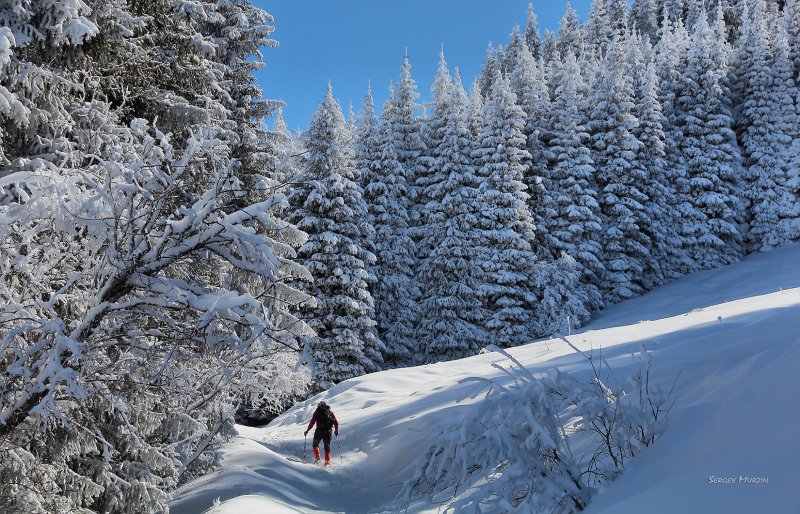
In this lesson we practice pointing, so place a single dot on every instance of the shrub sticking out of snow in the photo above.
(540, 444)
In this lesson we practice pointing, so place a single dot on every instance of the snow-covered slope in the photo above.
(732, 334)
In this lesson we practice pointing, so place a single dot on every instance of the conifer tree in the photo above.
(531, 34)
(784, 81)
(330, 209)
(599, 27)
(767, 120)
(490, 66)
(788, 122)
(559, 309)
(618, 16)
(405, 129)
(621, 176)
(675, 10)
(284, 149)
(512, 52)
(550, 53)
(791, 25)
(644, 19)
(396, 292)
(694, 10)
(507, 236)
(576, 227)
(367, 168)
(367, 142)
(475, 108)
(707, 142)
(668, 255)
(673, 44)
(158, 258)
(452, 313)
(429, 183)
(568, 37)
(529, 83)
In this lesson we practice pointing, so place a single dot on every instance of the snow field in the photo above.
(732, 334)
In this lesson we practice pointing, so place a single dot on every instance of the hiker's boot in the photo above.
(316, 455)
(327, 458)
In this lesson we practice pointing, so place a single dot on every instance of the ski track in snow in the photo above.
(733, 334)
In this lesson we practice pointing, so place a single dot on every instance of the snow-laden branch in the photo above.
(138, 315)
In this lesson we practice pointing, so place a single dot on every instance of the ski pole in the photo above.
(305, 442)
(338, 448)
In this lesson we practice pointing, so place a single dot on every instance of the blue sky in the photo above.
(352, 42)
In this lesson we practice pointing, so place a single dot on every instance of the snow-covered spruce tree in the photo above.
(568, 32)
(429, 181)
(577, 226)
(559, 309)
(599, 27)
(622, 177)
(644, 19)
(668, 256)
(675, 10)
(41, 78)
(402, 132)
(784, 80)
(673, 44)
(475, 112)
(767, 121)
(381, 195)
(507, 232)
(490, 66)
(791, 24)
(694, 10)
(529, 83)
(264, 160)
(550, 48)
(451, 309)
(328, 206)
(618, 16)
(531, 34)
(285, 150)
(711, 211)
(395, 292)
(366, 146)
(511, 56)
(196, 69)
(405, 130)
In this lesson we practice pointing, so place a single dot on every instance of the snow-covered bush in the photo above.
(539, 444)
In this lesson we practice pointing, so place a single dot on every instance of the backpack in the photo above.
(325, 419)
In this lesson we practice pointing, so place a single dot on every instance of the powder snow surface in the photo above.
(733, 335)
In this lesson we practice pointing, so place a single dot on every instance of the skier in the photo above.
(325, 420)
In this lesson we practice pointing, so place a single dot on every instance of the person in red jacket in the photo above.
(326, 421)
